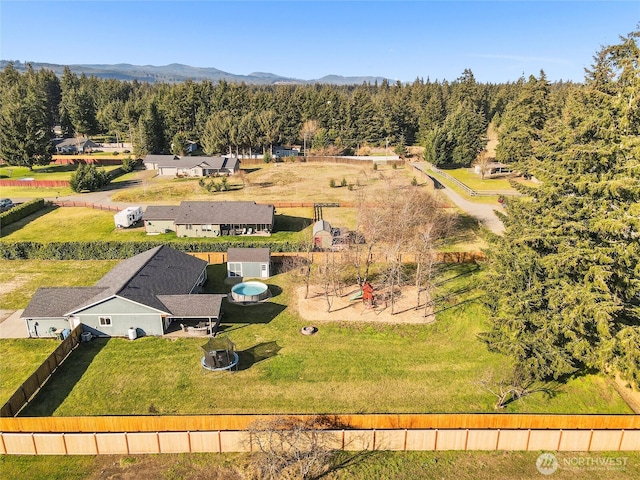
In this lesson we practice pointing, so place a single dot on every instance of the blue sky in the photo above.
(498, 41)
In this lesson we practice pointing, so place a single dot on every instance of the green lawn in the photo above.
(20, 358)
(344, 368)
(475, 182)
(444, 465)
(21, 278)
(53, 224)
(46, 172)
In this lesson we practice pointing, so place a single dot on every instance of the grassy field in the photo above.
(346, 367)
(25, 356)
(475, 182)
(53, 224)
(46, 172)
(21, 278)
(348, 466)
(274, 182)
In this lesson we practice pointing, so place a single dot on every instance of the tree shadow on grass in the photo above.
(256, 354)
(239, 316)
(18, 224)
(63, 380)
(289, 223)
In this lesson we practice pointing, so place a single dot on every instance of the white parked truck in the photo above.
(127, 217)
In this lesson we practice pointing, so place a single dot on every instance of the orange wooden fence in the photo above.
(378, 256)
(227, 433)
(172, 423)
(32, 384)
(34, 183)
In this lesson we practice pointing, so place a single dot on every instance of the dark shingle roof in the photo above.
(165, 272)
(217, 213)
(159, 271)
(157, 212)
(248, 255)
(192, 305)
(56, 301)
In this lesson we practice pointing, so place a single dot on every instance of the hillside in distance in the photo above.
(176, 73)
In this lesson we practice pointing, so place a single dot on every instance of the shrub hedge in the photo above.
(20, 211)
(111, 250)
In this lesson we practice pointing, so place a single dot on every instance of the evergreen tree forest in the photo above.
(564, 280)
(449, 118)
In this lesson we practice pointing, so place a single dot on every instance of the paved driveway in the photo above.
(11, 326)
(485, 213)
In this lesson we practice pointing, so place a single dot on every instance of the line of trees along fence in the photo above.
(32, 384)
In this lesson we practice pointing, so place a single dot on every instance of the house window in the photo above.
(188, 226)
(235, 269)
(206, 228)
(104, 321)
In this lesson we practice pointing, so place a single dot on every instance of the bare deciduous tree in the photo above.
(290, 446)
(482, 163)
(516, 384)
(403, 220)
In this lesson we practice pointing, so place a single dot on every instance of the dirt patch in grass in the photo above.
(8, 286)
(314, 307)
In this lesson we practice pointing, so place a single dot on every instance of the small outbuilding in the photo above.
(322, 234)
(249, 262)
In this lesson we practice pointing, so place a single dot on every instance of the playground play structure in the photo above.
(366, 294)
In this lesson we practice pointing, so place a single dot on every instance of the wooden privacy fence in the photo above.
(88, 159)
(403, 432)
(319, 257)
(34, 183)
(368, 160)
(32, 384)
(95, 206)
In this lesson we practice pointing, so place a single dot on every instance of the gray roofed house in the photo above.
(249, 262)
(159, 219)
(224, 212)
(146, 292)
(74, 145)
(174, 165)
(211, 219)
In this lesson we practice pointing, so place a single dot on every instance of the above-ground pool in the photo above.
(250, 292)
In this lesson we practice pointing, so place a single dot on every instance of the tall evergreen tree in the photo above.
(564, 282)
(25, 120)
(523, 121)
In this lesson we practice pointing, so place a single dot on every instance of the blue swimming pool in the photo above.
(249, 292)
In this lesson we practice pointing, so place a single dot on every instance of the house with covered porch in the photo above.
(177, 166)
(210, 219)
(146, 292)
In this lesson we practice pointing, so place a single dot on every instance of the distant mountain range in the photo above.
(176, 72)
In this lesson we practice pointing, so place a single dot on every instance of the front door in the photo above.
(264, 271)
